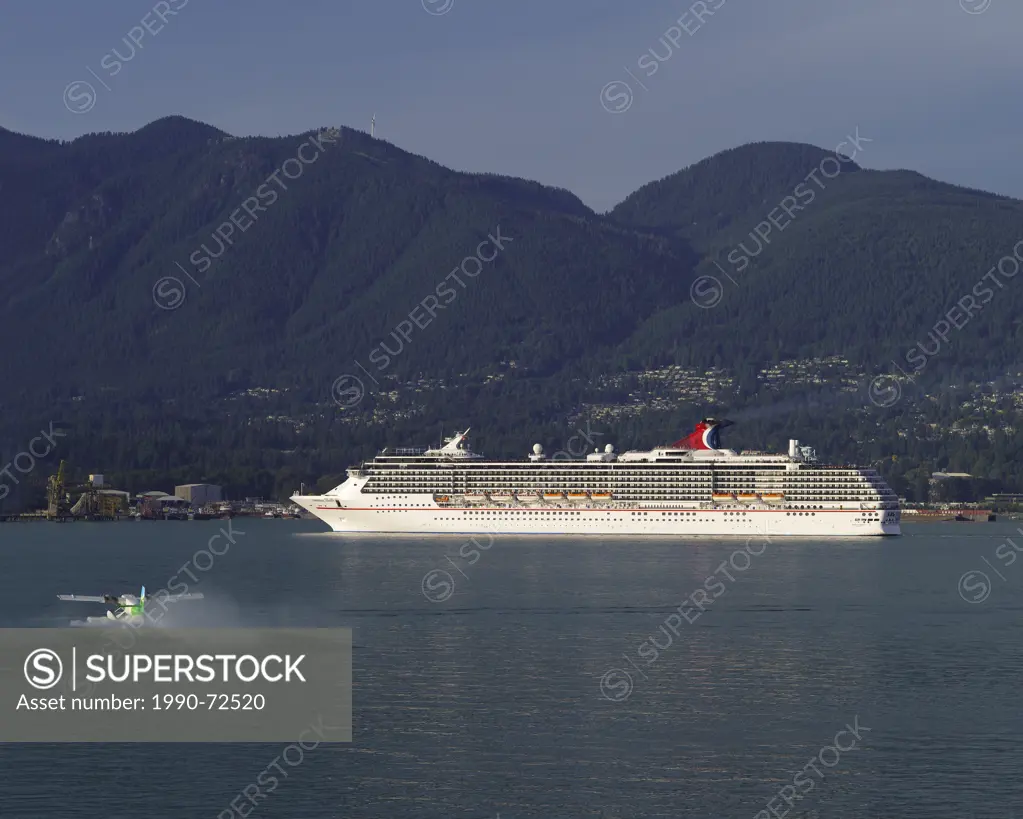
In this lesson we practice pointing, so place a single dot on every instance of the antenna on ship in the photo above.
(373, 126)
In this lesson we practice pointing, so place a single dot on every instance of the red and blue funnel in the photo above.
(705, 436)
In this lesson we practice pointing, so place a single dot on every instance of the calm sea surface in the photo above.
(548, 685)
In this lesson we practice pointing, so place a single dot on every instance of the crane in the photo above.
(56, 495)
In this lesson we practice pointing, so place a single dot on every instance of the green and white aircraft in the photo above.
(128, 610)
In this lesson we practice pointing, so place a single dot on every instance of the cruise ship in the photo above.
(690, 487)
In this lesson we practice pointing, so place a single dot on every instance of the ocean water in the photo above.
(531, 677)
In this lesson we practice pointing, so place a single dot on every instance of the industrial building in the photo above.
(157, 504)
(199, 494)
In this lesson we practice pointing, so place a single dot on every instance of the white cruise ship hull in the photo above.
(420, 515)
(691, 487)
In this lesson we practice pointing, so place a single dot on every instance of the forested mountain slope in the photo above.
(362, 263)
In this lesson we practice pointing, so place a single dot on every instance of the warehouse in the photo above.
(199, 494)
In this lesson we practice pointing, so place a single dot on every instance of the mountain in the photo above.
(351, 246)
(726, 193)
(348, 257)
(865, 269)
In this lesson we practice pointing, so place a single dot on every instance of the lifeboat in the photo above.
(504, 497)
(577, 496)
(723, 496)
(477, 497)
(601, 495)
(773, 496)
(528, 497)
(441, 498)
(553, 495)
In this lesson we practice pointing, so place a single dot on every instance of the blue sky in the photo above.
(514, 86)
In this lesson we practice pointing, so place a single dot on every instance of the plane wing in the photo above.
(94, 598)
(83, 598)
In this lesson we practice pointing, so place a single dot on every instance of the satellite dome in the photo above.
(609, 449)
(537, 449)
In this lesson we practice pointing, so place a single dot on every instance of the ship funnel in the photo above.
(793, 448)
(705, 436)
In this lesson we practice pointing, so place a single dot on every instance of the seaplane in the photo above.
(128, 610)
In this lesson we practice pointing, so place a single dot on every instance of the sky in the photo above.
(537, 88)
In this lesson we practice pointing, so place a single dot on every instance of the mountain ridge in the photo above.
(93, 231)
